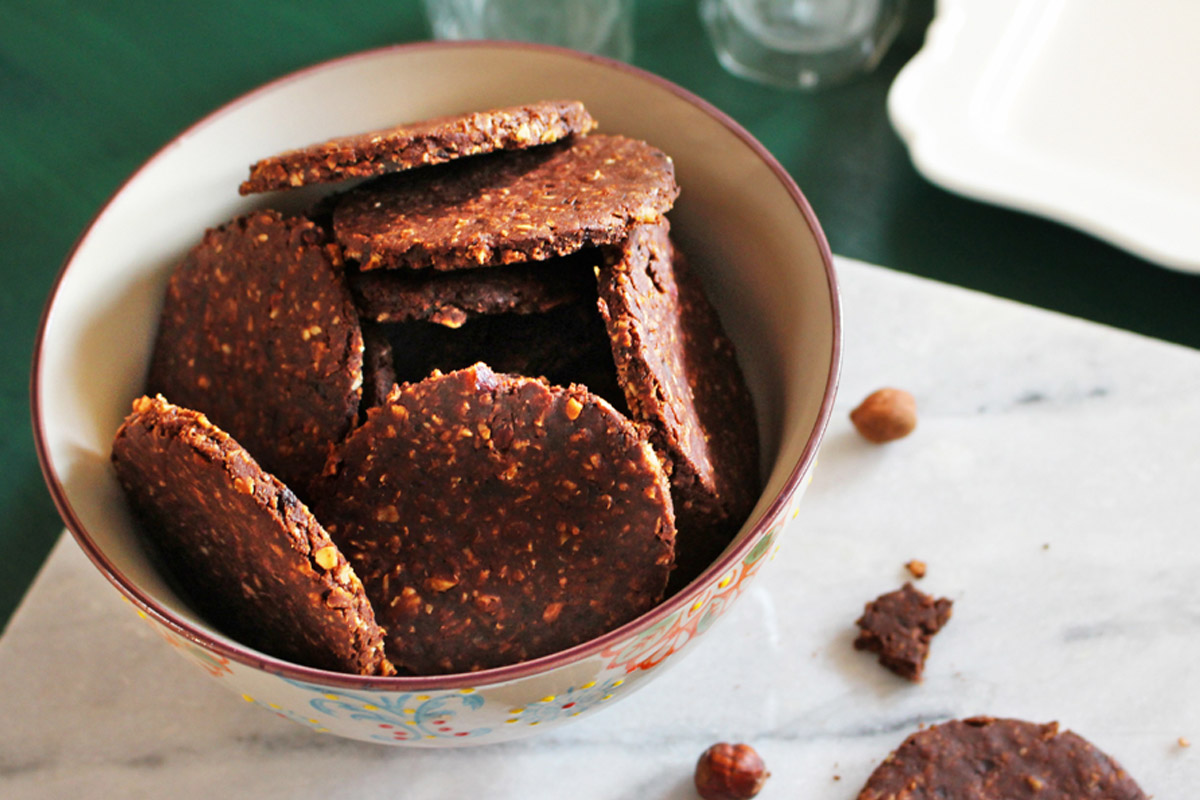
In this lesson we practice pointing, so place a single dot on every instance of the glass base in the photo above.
(603, 27)
(801, 44)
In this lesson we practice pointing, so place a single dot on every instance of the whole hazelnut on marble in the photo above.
(730, 772)
(885, 415)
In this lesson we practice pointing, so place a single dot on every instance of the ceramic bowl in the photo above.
(752, 237)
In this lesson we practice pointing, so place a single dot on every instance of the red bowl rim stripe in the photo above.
(249, 657)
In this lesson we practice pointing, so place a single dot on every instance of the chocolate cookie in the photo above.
(680, 375)
(431, 141)
(494, 519)
(527, 205)
(898, 626)
(998, 759)
(258, 331)
(249, 556)
(451, 298)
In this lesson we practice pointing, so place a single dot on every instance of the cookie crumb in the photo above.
(916, 568)
(1184, 741)
(898, 627)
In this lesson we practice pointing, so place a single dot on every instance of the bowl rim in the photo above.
(242, 654)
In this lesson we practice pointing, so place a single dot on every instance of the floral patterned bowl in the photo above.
(750, 234)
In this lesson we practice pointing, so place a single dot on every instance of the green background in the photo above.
(90, 89)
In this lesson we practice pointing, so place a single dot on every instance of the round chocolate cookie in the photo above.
(451, 298)
(432, 141)
(249, 556)
(503, 208)
(680, 375)
(998, 759)
(259, 332)
(495, 518)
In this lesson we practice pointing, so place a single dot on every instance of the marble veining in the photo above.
(1050, 487)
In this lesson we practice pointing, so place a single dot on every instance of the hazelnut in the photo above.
(730, 772)
(885, 415)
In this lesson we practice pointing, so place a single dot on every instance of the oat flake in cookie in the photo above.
(258, 332)
(248, 554)
(432, 141)
(680, 375)
(998, 759)
(502, 208)
(495, 518)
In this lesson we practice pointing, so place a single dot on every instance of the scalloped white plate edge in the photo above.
(942, 105)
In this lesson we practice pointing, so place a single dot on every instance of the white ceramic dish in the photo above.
(1083, 111)
(751, 234)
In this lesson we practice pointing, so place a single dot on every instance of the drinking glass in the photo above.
(604, 27)
(801, 44)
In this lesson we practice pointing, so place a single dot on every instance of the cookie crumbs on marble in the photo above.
(898, 627)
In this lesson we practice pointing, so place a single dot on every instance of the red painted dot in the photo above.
(382, 725)
(568, 705)
(461, 733)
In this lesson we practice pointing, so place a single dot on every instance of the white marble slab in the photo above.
(1035, 430)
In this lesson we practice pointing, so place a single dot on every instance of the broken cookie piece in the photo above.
(503, 208)
(258, 331)
(432, 141)
(898, 627)
(998, 759)
(248, 554)
(495, 518)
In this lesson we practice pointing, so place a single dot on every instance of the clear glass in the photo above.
(801, 44)
(604, 27)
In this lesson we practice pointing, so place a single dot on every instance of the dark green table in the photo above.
(89, 89)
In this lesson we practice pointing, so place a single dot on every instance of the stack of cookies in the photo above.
(473, 410)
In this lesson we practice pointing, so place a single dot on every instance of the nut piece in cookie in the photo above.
(452, 298)
(494, 519)
(898, 626)
(432, 141)
(680, 375)
(258, 331)
(527, 205)
(998, 759)
(248, 555)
